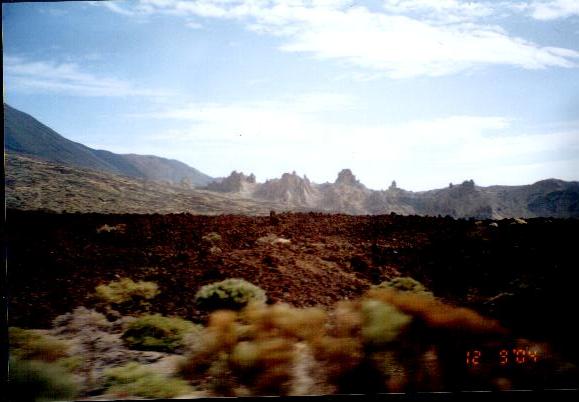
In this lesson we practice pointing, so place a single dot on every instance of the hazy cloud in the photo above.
(266, 138)
(47, 76)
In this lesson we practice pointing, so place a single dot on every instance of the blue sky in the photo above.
(424, 92)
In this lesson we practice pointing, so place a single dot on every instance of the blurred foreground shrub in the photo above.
(27, 344)
(386, 341)
(158, 333)
(230, 294)
(261, 349)
(381, 322)
(35, 380)
(435, 315)
(134, 379)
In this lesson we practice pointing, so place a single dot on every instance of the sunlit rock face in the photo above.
(347, 178)
(290, 188)
(235, 182)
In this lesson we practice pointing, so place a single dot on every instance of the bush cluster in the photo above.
(230, 294)
(126, 293)
(255, 350)
(383, 342)
(158, 333)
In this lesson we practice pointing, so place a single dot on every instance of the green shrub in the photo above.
(230, 294)
(40, 381)
(381, 322)
(26, 344)
(126, 290)
(136, 380)
(404, 284)
(155, 332)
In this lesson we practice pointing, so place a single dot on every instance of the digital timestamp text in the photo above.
(502, 357)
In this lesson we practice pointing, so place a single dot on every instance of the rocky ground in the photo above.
(520, 272)
(524, 273)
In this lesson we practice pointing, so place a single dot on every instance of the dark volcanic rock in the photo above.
(56, 260)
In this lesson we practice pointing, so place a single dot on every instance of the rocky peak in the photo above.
(346, 177)
(289, 188)
(235, 182)
(293, 179)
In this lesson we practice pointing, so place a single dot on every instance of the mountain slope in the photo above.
(33, 184)
(27, 136)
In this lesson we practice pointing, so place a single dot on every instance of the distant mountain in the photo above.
(25, 135)
(546, 198)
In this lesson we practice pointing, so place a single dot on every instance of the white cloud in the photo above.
(407, 38)
(554, 9)
(47, 76)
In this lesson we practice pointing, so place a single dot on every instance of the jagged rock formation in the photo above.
(554, 198)
(347, 178)
(290, 188)
(236, 182)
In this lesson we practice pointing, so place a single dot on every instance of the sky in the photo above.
(424, 92)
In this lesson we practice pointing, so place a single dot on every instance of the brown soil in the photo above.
(56, 260)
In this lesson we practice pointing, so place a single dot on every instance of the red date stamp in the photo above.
(503, 357)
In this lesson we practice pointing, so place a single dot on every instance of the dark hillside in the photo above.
(24, 135)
